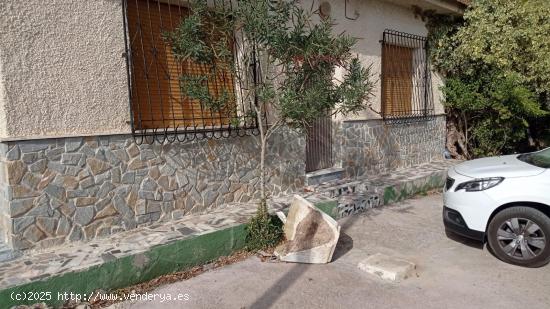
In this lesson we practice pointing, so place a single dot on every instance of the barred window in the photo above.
(406, 78)
(160, 106)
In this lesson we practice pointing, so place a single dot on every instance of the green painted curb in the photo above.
(328, 207)
(177, 256)
(409, 189)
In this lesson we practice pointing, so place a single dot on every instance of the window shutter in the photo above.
(398, 74)
(406, 78)
(158, 102)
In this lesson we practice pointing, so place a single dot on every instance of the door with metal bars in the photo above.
(319, 145)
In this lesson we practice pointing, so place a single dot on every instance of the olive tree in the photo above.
(296, 78)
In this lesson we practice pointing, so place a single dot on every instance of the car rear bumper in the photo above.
(454, 222)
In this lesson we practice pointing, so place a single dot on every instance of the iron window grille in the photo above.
(319, 153)
(406, 77)
(160, 109)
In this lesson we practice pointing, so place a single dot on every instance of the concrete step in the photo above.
(324, 175)
(340, 188)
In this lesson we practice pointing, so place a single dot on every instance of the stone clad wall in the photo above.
(372, 147)
(70, 189)
(5, 218)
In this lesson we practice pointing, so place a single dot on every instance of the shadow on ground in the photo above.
(464, 240)
(344, 245)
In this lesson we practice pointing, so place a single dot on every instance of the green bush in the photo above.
(497, 110)
(496, 61)
(263, 230)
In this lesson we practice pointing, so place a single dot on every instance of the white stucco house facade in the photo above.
(73, 164)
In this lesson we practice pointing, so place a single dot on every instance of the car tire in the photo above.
(520, 236)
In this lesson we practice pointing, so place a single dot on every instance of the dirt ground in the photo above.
(451, 272)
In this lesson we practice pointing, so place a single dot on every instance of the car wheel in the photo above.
(520, 236)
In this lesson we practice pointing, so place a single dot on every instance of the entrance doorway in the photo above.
(319, 145)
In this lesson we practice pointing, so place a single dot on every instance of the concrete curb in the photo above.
(400, 191)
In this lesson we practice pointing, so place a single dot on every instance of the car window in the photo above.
(540, 158)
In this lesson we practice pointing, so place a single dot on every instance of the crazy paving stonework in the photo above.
(374, 147)
(71, 189)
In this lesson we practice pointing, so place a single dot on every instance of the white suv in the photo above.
(504, 201)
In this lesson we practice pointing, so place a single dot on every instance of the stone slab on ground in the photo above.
(311, 235)
(388, 267)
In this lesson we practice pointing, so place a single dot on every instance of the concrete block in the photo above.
(387, 267)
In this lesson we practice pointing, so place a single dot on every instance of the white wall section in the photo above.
(62, 68)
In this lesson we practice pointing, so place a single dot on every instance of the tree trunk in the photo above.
(263, 144)
(262, 169)
(457, 143)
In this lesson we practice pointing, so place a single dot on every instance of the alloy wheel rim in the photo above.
(521, 238)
